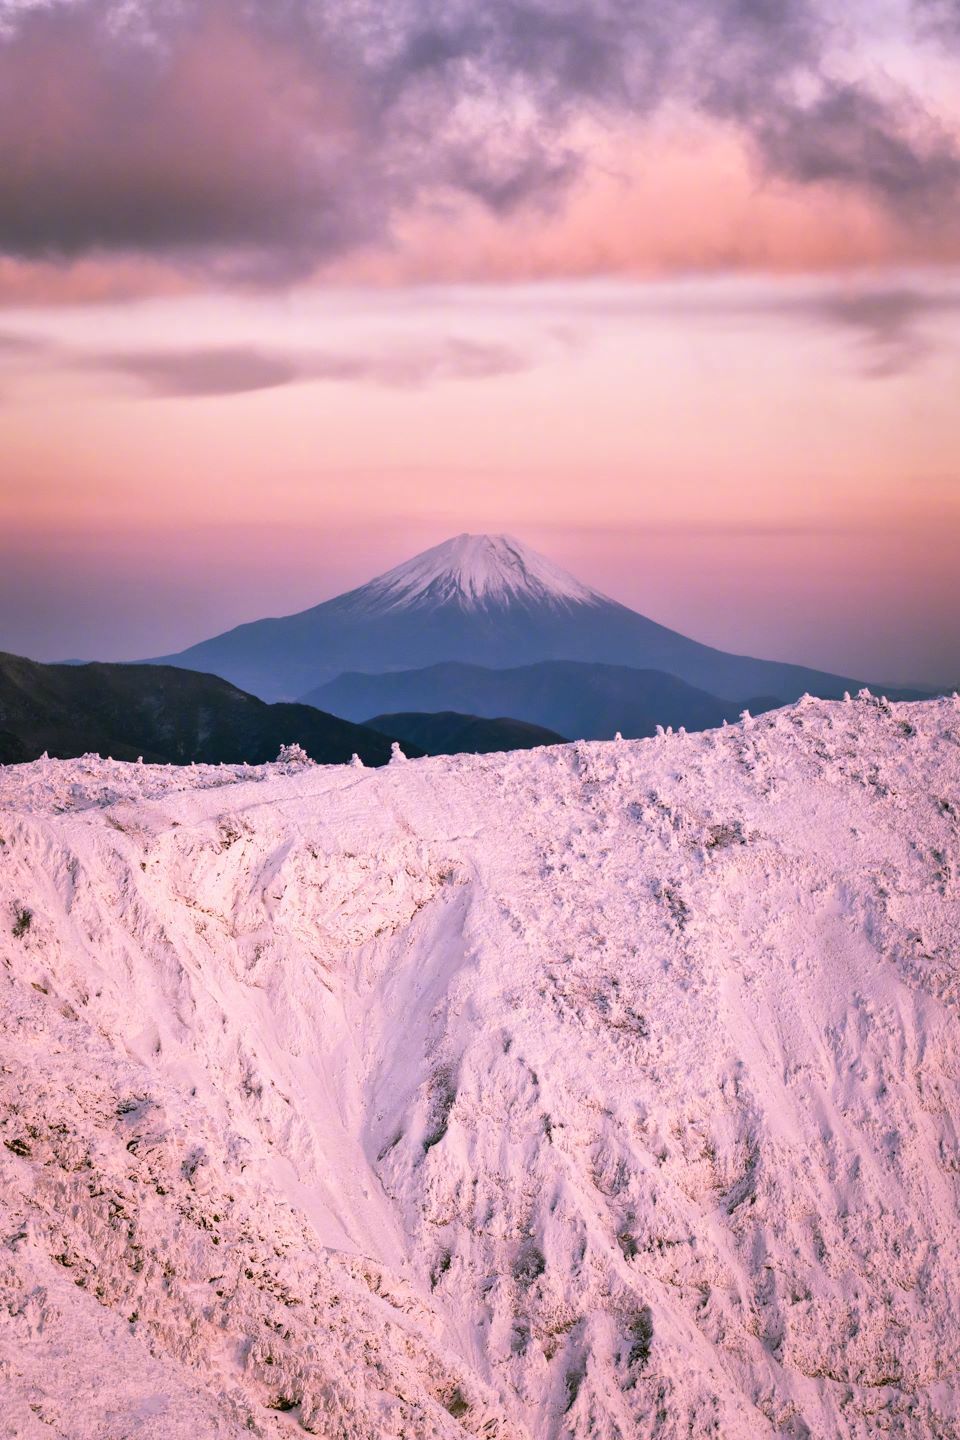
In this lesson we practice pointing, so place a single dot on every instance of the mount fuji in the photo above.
(482, 600)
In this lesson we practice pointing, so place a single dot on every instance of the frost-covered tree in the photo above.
(294, 755)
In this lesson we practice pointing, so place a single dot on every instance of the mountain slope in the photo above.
(482, 600)
(599, 1091)
(450, 733)
(163, 714)
(588, 702)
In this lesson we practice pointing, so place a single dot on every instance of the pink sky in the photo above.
(700, 342)
(723, 455)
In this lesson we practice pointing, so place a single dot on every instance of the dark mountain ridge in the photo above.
(573, 698)
(450, 733)
(165, 714)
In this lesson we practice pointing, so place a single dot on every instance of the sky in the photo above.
(291, 290)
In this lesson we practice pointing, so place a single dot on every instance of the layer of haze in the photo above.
(768, 467)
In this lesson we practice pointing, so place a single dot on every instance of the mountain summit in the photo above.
(479, 600)
(475, 572)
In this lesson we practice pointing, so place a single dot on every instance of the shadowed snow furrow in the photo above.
(600, 1091)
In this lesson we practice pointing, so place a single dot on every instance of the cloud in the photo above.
(889, 324)
(896, 326)
(242, 369)
(849, 137)
(255, 141)
(16, 346)
(233, 371)
(210, 140)
(942, 17)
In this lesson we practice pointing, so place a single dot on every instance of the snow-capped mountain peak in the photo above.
(474, 572)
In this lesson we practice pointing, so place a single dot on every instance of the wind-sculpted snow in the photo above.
(608, 1090)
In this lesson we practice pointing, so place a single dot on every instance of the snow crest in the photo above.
(600, 1091)
(475, 571)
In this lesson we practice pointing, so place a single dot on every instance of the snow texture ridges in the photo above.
(605, 1090)
(474, 571)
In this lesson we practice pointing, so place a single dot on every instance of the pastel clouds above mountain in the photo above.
(670, 290)
(260, 141)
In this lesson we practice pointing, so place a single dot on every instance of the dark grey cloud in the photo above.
(258, 137)
(940, 17)
(895, 328)
(231, 371)
(202, 137)
(889, 324)
(849, 137)
(242, 369)
(15, 346)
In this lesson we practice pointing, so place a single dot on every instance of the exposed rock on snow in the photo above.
(603, 1090)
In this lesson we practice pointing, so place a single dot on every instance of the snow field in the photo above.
(606, 1090)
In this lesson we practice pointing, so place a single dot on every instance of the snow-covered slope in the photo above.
(478, 600)
(608, 1090)
(474, 571)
